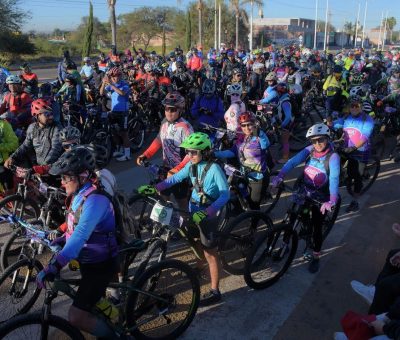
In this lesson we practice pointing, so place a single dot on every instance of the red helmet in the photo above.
(40, 106)
(246, 117)
(114, 72)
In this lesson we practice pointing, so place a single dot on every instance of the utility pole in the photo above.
(251, 26)
(358, 18)
(326, 23)
(384, 31)
(365, 17)
(315, 27)
(380, 31)
(215, 23)
(219, 26)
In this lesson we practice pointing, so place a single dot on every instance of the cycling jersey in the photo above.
(284, 114)
(316, 178)
(251, 152)
(119, 103)
(332, 85)
(195, 63)
(92, 239)
(232, 115)
(270, 95)
(214, 186)
(16, 104)
(170, 137)
(87, 71)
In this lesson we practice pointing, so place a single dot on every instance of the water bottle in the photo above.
(108, 309)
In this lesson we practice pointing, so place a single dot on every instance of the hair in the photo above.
(207, 155)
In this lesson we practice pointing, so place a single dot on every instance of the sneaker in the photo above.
(308, 256)
(123, 158)
(366, 292)
(313, 267)
(210, 298)
(117, 154)
(353, 206)
(340, 336)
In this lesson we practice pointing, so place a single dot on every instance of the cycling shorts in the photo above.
(95, 278)
(120, 118)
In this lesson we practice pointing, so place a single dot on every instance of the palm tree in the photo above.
(200, 9)
(391, 22)
(259, 3)
(113, 21)
(239, 12)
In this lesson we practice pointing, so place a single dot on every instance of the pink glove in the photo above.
(327, 206)
(276, 181)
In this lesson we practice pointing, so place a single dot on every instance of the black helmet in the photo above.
(71, 78)
(337, 69)
(70, 133)
(209, 86)
(73, 162)
(180, 64)
(100, 155)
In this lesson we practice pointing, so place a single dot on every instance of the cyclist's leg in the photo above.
(316, 220)
(257, 191)
(95, 278)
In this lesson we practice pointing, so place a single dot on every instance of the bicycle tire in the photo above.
(15, 295)
(377, 163)
(257, 258)
(136, 133)
(238, 237)
(53, 321)
(136, 308)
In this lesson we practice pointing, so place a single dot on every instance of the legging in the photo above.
(317, 220)
(257, 192)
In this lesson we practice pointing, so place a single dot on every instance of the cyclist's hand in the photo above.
(327, 206)
(276, 181)
(140, 160)
(349, 150)
(8, 162)
(147, 190)
(41, 169)
(51, 270)
(199, 216)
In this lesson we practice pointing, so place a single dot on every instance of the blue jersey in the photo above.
(215, 186)
(119, 103)
(270, 96)
(92, 239)
(315, 173)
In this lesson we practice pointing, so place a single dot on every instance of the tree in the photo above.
(11, 17)
(15, 44)
(390, 24)
(200, 9)
(188, 36)
(113, 21)
(330, 28)
(239, 12)
(349, 28)
(87, 45)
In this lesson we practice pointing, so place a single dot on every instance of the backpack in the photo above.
(125, 226)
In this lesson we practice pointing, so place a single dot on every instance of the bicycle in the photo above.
(143, 311)
(275, 249)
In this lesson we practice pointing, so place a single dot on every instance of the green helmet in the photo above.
(197, 141)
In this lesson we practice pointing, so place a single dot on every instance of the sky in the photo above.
(46, 15)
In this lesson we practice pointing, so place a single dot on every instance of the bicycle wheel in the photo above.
(32, 326)
(238, 237)
(136, 133)
(18, 288)
(369, 175)
(151, 318)
(270, 257)
(16, 205)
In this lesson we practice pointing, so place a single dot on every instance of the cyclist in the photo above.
(173, 131)
(270, 95)
(86, 70)
(90, 238)
(120, 92)
(320, 181)
(236, 108)
(210, 194)
(208, 107)
(229, 65)
(29, 80)
(335, 90)
(42, 143)
(62, 67)
(16, 103)
(251, 152)
(357, 130)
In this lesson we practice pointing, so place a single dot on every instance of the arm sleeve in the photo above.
(219, 179)
(176, 178)
(287, 109)
(264, 141)
(334, 173)
(10, 140)
(94, 210)
(225, 154)
(153, 148)
(271, 96)
(56, 147)
(294, 161)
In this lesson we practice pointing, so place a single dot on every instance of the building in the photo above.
(285, 30)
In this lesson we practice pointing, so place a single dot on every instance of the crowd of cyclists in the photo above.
(191, 99)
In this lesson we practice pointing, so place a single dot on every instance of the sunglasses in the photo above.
(47, 113)
(192, 152)
(247, 125)
(66, 179)
(171, 109)
(319, 140)
(69, 145)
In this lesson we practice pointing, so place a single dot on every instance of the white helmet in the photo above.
(86, 59)
(148, 67)
(13, 79)
(234, 89)
(318, 130)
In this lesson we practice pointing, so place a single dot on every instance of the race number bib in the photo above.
(161, 214)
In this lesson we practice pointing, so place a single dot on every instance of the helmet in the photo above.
(236, 71)
(355, 99)
(290, 64)
(337, 69)
(114, 72)
(209, 86)
(40, 106)
(234, 89)
(356, 91)
(367, 107)
(282, 88)
(357, 79)
(197, 141)
(45, 90)
(70, 133)
(180, 64)
(86, 59)
(100, 155)
(174, 99)
(12, 79)
(172, 55)
(148, 67)
(71, 78)
(246, 117)
(318, 130)
(258, 66)
(316, 68)
(271, 76)
(73, 162)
